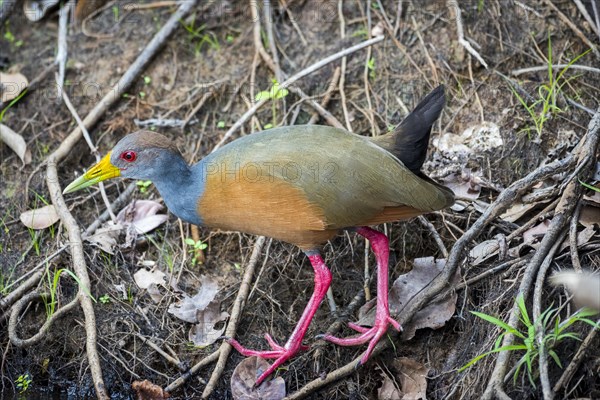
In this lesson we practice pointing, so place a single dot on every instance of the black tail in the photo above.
(411, 137)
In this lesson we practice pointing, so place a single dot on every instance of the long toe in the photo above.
(258, 353)
(370, 335)
(352, 341)
(280, 353)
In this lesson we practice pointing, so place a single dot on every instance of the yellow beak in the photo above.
(100, 172)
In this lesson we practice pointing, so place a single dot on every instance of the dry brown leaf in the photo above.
(583, 237)
(537, 232)
(589, 216)
(594, 197)
(244, 377)
(187, 309)
(483, 251)
(413, 378)
(11, 85)
(204, 333)
(516, 211)
(40, 218)
(142, 215)
(434, 315)
(154, 293)
(388, 390)
(585, 286)
(144, 278)
(463, 189)
(106, 237)
(146, 390)
(16, 143)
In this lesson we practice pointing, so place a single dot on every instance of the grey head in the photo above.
(147, 155)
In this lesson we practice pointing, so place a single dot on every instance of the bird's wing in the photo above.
(333, 179)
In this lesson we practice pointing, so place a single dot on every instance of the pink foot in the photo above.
(294, 344)
(371, 335)
(280, 353)
(380, 246)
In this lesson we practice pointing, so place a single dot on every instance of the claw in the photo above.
(394, 323)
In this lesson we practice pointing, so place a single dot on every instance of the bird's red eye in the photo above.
(128, 156)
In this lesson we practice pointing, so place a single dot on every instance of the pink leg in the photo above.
(380, 246)
(294, 343)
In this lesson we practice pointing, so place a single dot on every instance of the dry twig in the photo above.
(453, 5)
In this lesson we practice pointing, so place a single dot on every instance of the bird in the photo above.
(301, 184)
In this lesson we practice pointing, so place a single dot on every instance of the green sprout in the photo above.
(275, 92)
(555, 331)
(22, 382)
(545, 106)
(144, 186)
(194, 248)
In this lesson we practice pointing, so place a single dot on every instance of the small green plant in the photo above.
(143, 186)
(147, 80)
(275, 92)
(361, 33)
(371, 67)
(229, 38)
(198, 38)
(10, 38)
(12, 103)
(5, 283)
(194, 247)
(545, 106)
(115, 11)
(53, 280)
(33, 234)
(165, 252)
(129, 295)
(221, 124)
(480, 5)
(22, 382)
(555, 331)
(104, 299)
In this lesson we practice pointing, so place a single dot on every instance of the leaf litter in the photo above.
(203, 311)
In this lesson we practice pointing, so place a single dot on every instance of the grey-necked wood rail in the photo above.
(298, 184)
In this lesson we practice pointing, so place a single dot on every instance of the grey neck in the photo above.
(180, 187)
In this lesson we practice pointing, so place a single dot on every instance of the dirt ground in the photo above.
(212, 57)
